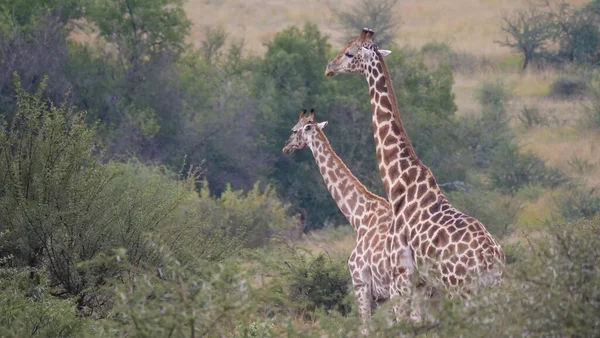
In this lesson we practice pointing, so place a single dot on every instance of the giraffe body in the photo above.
(446, 246)
(369, 214)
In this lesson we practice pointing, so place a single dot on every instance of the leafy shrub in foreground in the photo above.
(27, 309)
(63, 207)
(171, 300)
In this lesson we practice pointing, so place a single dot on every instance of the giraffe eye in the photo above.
(348, 54)
(307, 127)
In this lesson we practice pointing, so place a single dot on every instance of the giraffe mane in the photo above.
(394, 102)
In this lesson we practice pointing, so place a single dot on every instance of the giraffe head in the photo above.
(303, 133)
(356, 56)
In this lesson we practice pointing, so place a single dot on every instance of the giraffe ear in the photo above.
(322, 125)
(385, 52)
(367, 53)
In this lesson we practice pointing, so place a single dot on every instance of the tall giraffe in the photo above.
(458, 251)
(369, 214)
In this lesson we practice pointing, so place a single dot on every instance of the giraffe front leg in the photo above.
(403, 287)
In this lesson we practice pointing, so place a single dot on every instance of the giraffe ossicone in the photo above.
(369, 214)
(461, 253)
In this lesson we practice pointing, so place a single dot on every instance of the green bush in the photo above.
(308, 283)
(256, 215)
(171, 300)
(578, 202)
(63, 207)
(565, 87)
(493, 94)
(530, 117)
(512, 170)
(27, 309)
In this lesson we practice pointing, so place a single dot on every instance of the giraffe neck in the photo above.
(399, 166)
(349, 194)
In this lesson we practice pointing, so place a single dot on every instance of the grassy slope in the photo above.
(469, 26)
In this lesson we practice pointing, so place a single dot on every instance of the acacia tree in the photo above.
(529, 31)
(375, 14)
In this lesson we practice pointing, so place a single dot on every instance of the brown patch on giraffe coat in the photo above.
(383, 131)
(415, 217)
(460, 270)
(360, 209)
(409, 210)
(431, 181)
(379, 68)
(405, 151)
(422, 189)
(445, 220)
(467, 237)
(441, 239)
(394, 173)
(380, 85)
(385, 102)
(410, 194)
(432, 230)
(462, 247)
(391, 155)
(352, 200)
(435, 218)
(391, 140)
(457, 235)
(374, 72)
(428, 199)
(404, 163)
(371, 82)
(426, 226)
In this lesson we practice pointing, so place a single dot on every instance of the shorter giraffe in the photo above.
(369, 214)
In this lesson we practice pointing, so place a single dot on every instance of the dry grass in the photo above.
(467, 25)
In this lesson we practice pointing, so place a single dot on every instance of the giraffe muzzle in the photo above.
(329, 71)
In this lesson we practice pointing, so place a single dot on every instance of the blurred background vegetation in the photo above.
(143, 191)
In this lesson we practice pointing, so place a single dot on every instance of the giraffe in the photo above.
(369, 214)
(447, 247)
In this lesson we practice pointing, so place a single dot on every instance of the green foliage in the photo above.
(140, 27)
(171, 300)
(592, 120)
(256, 215)
(64, 207)
(27, 309)
(512, 170)
(578, 202)
(24, 15)
(529, 30)
(531, 117)
(568, 87)
(493, 94)
(482, 136)
(375, 14)
(309, 282)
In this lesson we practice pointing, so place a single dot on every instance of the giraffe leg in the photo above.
(364, 300)
(403, 287)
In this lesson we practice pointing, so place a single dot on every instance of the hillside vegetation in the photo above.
(144, 192)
